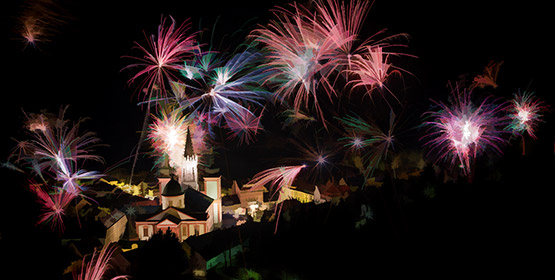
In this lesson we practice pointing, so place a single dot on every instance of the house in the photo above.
(247, 201)
(115, 224)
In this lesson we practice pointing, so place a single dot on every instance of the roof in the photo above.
(177, 215)
(196, 201)
(113, 218)
(196, 204)
(173, 188)
(230, 200)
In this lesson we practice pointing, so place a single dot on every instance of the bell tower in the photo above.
(188, 173)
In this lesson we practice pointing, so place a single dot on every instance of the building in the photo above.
(184, 209)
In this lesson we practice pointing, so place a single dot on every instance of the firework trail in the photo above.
(163, 56)
(461, 131)
(98, 265)
(278, 178)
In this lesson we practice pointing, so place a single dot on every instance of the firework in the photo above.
(223, 93)
(39, 22)
(461, 131)
(98, 265)
(53, 152)
(525, 113)
(369, 140)
(297, 49)
(371, 70)
(167, 135)
(278, 178)
(309, 50)
(317, 158)
(53, 206)
(55, 145)
(489, 78)
(163, 57)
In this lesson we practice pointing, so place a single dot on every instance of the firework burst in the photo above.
(525, 113)
(53, 153)
(223, 93)
(369, 140)
(162, 58)
(460, 131)
(297, 51)
(53, 206)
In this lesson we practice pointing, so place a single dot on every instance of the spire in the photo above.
(189, 152)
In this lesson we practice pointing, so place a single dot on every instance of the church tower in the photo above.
(188, 173)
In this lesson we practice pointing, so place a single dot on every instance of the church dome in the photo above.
(173, 188)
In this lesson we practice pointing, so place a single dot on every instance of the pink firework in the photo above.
(297, 50)
(371, 70)
(167, 134)
(342, 22)
(98, 265)
(163, 57)
(53, 206)
(244, 128)
(277, 177)
(53, 152)
(461, 131)
(525, 113)
(56, 145)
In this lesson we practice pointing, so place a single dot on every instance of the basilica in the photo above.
(186, 208)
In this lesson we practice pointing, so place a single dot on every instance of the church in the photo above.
(187, 208)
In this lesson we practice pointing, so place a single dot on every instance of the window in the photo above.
(170, 203)
(145, 231)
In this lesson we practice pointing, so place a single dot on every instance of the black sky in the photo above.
(82, 63)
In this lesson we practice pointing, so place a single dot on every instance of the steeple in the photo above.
(188, 175)
(189, 152)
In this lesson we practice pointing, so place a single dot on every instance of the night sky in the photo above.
(82, 63)
(82, 66)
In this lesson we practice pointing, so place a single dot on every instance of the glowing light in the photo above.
(525, 112)
(163, 56)
(462, 130)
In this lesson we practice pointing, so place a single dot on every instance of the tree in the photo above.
(161, 257)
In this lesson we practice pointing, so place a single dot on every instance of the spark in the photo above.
(525, 113)
(98, 265)
(162, 57)
(461, 131)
